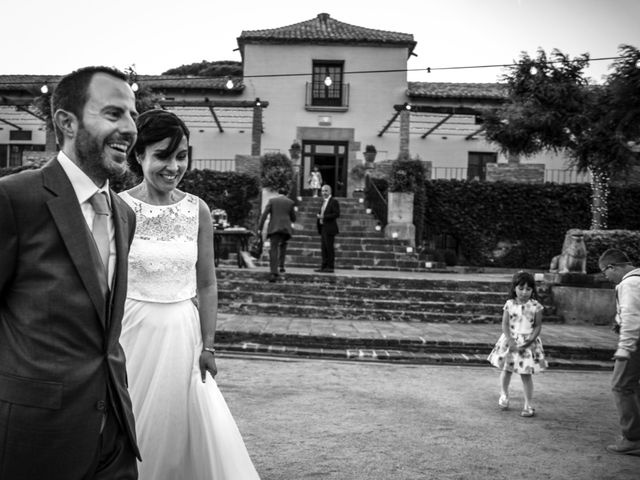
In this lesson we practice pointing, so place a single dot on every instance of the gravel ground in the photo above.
(331, 420)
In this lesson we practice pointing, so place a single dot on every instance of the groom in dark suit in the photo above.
(328, 229)
(65, 413)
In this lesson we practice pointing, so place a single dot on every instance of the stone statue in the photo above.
(573, 258)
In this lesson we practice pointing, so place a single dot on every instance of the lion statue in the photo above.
(573, 258)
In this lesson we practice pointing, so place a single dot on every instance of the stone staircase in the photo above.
(358, 246)
(374, 297)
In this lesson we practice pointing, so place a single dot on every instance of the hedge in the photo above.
(230, 191)
(532, 218)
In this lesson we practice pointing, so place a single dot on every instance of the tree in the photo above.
(219, 68)
(552, 106)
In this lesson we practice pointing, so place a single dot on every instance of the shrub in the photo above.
(276, 171)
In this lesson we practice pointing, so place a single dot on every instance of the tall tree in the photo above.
(552, 106)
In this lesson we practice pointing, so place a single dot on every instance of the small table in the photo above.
(238, 237)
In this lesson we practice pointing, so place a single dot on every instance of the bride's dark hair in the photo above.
(154, 126)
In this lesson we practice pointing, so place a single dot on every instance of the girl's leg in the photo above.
(505, 380)
(527, 383)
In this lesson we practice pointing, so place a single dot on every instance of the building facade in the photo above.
(330, 87)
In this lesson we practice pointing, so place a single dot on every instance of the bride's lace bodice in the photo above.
(163, 255)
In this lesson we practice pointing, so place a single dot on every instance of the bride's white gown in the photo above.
(185, 429)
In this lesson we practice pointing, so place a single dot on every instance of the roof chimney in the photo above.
(323, 17)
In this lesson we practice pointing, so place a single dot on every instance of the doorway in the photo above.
(331, 159)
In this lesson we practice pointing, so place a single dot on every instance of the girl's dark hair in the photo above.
(154, 126)
(523, 278)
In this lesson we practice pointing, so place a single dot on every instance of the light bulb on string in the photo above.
(44, 89)
(135, 87)
(229, 84)
(327, 81)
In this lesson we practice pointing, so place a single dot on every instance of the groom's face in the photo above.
(107, 131)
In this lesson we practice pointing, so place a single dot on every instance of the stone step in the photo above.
(352, 254)
(558, 356)
(374, 280)
(311, 260)
(405, 295)
(300, 248)
(364, 303)
(353, 313)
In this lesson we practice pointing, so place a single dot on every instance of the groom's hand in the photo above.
(207, 362)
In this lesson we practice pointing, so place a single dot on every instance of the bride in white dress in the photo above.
(185, 429)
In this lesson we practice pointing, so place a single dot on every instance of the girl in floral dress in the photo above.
(519, 348)
(315, 181)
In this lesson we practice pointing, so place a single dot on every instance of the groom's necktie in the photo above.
(100, 228)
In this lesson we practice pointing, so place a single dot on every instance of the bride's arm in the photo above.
(207, 291)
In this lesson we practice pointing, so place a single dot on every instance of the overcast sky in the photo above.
(57, 36)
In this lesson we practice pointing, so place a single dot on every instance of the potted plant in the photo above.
(294, 150)
(370, 153)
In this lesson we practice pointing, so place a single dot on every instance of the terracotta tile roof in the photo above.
(324, 29)
(29, 83)
(489, 91)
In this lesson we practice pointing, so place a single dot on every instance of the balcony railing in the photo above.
(570, 175)
(217, 164)
(323, 103)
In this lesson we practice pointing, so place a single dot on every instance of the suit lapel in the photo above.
(121, 226)
(75, 234)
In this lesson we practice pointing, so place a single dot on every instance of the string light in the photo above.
(328, 81)
(229, 83)
(599, 207)
(353, 72)
(44, 88)
(134, 87)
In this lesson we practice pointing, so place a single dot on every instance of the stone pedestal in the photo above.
(580, 298)
(400, 217)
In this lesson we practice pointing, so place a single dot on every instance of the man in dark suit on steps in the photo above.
(281, 211)
(328, 229)
(65, 413)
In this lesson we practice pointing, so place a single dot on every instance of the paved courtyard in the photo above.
(332, 420)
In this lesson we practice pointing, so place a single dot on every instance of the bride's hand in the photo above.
(207, 362)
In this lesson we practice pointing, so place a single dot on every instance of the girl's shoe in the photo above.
(503, 402)
(528, 412)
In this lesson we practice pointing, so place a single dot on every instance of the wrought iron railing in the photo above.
(217, 164)
(314, 102)
(375, 200)
(565, 175)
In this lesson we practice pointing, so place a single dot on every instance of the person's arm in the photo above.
(537, 328)
(292, 213)
(629, 319)
(507, 331)
(333, 212)
(207, 292)
(263, 217)
(8, 241)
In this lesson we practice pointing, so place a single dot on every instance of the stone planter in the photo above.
(400, 217)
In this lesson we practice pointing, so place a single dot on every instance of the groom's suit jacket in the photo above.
(61, 363)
